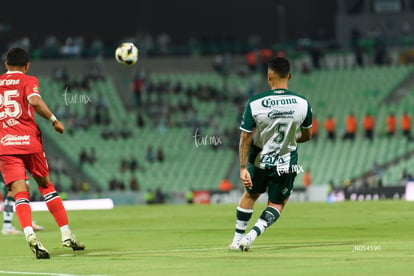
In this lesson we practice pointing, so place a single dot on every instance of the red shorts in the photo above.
(13, 167)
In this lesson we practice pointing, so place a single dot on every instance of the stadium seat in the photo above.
(334, 92)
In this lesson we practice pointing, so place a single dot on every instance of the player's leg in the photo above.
(244, 209)
(24, 214)
(244, 212)
(55, 206)
(22, 202)
(269, 216)
(35, 226)
(37, 166)
(8, 228)
(53, 201)
(279, 190)
(14, 176)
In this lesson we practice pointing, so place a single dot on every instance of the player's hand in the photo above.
(59, 127)
(245, 178)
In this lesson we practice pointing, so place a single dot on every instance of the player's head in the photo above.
(278, 67)
(17, 58)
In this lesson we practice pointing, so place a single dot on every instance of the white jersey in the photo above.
(275, 116)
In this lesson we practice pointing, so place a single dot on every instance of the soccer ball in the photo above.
(126, 54)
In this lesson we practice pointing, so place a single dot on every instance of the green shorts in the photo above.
(278, 186)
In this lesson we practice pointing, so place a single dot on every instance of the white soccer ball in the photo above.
(126, 54)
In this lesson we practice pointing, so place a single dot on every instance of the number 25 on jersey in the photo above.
(9, 108)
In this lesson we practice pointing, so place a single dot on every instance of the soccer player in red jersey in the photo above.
(21, 149)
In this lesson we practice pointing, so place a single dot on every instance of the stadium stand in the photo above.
(358, 90)
(187, 164)
(217, 103)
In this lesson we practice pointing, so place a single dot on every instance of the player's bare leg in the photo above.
(243, 214)
(266, 219)
(55, 206)
(248, 200)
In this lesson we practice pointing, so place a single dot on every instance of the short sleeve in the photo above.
(247, 124)
(307, 123)
(32, 88)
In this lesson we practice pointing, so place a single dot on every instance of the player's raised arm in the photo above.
(43, 110)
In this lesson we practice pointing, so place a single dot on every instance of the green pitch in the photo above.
(350, 238)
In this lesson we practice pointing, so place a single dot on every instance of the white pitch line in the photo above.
(158, 251)
(182, 250)
(44, 273)
(185, 250)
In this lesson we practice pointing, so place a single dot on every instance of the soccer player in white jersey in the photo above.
(273, 123)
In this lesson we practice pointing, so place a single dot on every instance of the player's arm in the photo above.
(304, 135)
(244, 149)
(43, 110)
(247, 127)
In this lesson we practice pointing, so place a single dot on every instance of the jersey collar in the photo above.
(14, 72)
(279, 90)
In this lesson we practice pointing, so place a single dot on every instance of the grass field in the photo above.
(349, 238)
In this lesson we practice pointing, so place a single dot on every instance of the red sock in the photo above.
(23, 209)
(54, 204)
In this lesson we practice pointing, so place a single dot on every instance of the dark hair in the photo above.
(279, 65)
(17, 57)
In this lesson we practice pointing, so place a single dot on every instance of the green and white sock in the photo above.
(8, 212)
(267, 218)
(242, 220)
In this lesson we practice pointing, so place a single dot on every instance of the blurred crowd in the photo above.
(392, 123)
(157, 111)
(375, 43)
